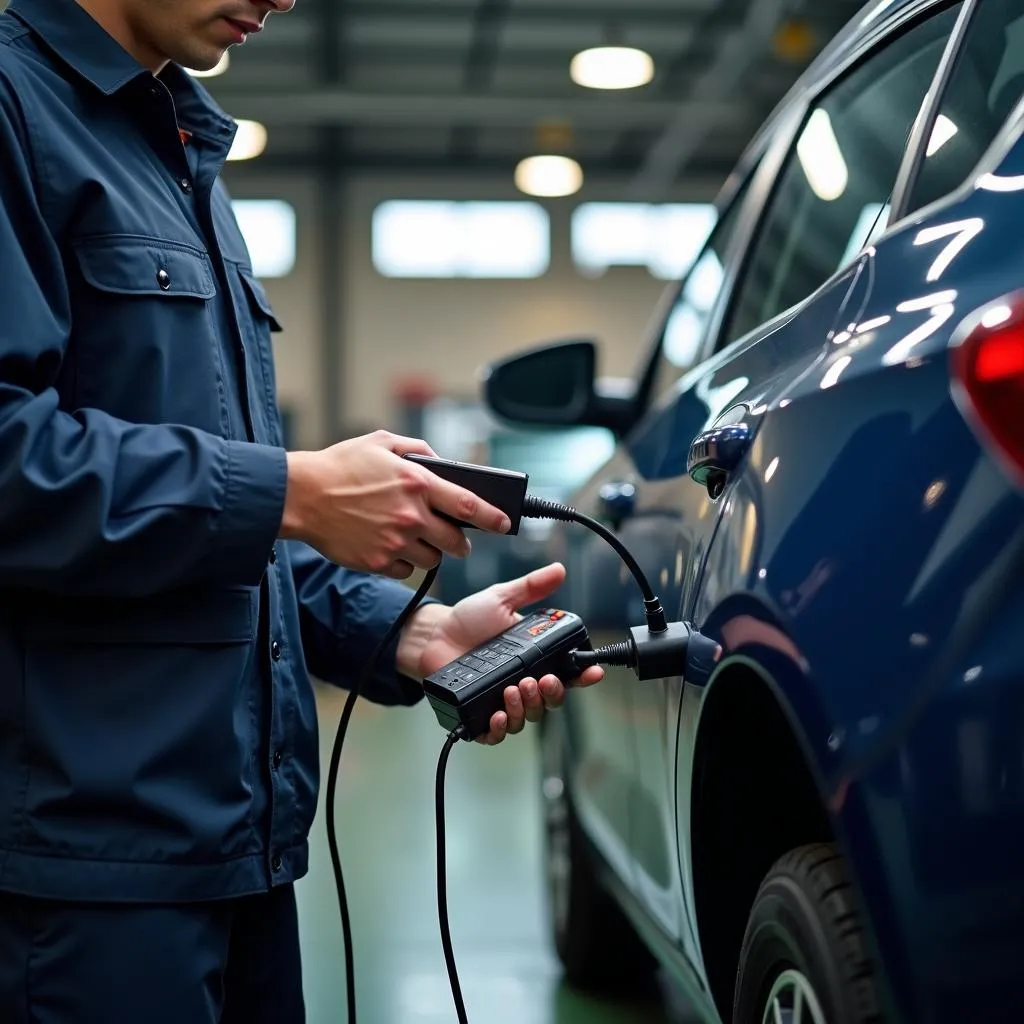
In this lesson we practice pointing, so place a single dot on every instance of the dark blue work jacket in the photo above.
(158, 735)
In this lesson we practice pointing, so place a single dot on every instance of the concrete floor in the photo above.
(386, 837)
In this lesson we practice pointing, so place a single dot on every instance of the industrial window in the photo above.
(842, 169)
(665, 238)
(442, 239)
(268, 227)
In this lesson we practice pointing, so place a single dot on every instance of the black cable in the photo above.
(541, 508)
(442, 884)
(623, 654)
(332, 780)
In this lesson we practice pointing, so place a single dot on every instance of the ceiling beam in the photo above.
(635, 15)
(443, 167)
(332, 105)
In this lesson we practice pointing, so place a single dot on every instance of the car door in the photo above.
(796, 272)
(600, 589)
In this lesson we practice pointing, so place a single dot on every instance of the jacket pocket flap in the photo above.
(259, 295)
(132, 265)
(185, 619)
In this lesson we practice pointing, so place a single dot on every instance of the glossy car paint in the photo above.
(866, 559)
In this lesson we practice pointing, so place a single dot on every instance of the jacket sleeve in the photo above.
(344, 616)
(91, 505)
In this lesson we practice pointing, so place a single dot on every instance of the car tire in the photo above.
(804, 942)
(598, 947)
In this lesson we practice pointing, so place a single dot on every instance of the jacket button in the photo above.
(163, 279)
(273, 555)
(275, 864)
(186, 185)
(275, 651)
(277, 758)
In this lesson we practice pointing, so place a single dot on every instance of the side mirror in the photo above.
(555, 385)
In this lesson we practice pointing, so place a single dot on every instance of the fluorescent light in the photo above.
(549, 176)
(612, 67)
(943, 131)
(250, 141)
(821, 158)
(448, 239)
(219, 69)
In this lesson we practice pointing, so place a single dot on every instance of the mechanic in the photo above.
(170, 577)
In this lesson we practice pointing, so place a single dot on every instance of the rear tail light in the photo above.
(988, 377)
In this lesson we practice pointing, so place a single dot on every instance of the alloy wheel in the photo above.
(792, 1000)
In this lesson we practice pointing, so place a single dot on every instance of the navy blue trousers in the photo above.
(231, 962)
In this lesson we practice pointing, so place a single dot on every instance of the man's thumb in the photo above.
(534, 586)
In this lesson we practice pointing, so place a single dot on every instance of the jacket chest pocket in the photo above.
(259, 324)
(144, 333)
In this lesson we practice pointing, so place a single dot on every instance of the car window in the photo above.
(833, 192)
(985, 85)
(687, 320)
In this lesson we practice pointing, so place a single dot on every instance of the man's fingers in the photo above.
(532, 700)
(446, 537)
(421, 555)
(499, 728)
(552, 692)
(464, 505)
(533, 587)
(515, 711)
(405, 445)
(591, 675)
(399, 570)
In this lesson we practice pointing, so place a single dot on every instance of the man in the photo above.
(169, 576)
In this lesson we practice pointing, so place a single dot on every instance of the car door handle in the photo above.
(618, 501)
(715, 453)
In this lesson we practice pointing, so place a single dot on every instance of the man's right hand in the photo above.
(363, 506)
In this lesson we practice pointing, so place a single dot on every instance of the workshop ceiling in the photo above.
(476, 85)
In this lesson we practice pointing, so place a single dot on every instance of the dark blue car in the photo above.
(830, 826)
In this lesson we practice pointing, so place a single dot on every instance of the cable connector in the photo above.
(650, 655)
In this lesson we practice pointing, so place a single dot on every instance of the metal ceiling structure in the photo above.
(443, 86)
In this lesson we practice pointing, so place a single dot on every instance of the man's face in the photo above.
(194, 33)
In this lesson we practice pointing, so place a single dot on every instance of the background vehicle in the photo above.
(834, 818)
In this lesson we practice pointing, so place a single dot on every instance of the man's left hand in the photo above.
(476, 619)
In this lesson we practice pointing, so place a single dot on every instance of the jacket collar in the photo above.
(80, 41)
(84, 45)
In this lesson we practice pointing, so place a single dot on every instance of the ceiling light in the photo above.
(612, 67)
(549, 176)
(250, 141)
(221, 66)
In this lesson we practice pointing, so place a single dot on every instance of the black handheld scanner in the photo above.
(469, 690)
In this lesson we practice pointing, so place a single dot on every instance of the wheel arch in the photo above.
(756, 790)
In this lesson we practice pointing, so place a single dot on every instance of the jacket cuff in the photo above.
(255, 485)
(388, 685)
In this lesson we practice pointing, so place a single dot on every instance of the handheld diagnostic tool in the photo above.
(502, 488)
(470, 689)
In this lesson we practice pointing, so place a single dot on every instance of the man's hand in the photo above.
(364, 507)
(437, 635)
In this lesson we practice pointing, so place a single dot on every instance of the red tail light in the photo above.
(988, 374)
